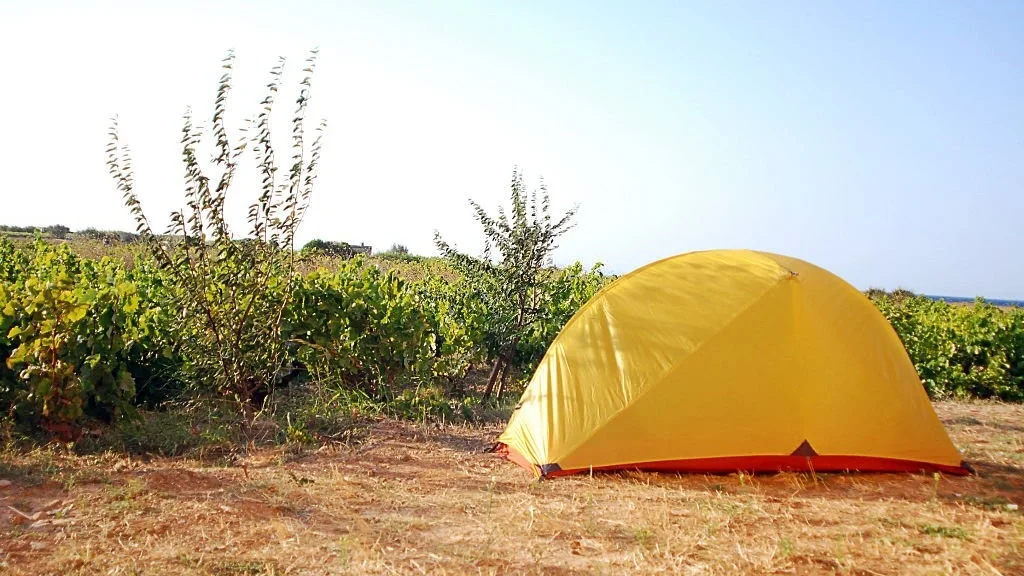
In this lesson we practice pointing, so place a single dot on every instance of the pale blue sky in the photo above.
(884, 141)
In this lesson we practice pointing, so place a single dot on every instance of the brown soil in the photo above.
(417, 499)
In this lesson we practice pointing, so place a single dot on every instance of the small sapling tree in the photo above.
(229, 293)
(510, 277)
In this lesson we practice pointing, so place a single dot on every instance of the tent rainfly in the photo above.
(727, 360)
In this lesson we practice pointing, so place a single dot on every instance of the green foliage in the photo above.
(459, 321)
(56, 231)
(85, 338)
(108, 236)
(19, 229)
(417, 269)
(328, 248)
(563, 295)
(70, 331)
(511, 285)
(400, 253)
(960, 351)
(427, 403)
(361, 326)
(13, 262)
(230, 295)
(463, 322)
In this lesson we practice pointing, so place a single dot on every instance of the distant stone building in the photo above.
(361, 249)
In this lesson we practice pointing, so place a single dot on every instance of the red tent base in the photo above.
(753, 464)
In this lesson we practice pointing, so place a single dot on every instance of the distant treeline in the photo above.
(62, 232)
(56, 230)
(325, 247)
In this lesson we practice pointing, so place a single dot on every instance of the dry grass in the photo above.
(415, 499)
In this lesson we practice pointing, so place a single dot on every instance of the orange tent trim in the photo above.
(755, 464)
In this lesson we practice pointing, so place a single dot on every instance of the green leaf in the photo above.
(78, 312)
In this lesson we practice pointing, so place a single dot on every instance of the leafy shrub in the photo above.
(567, 291)
(361, 326)
(511, 283)
(155, 354)
(459, 321)
(463, 323)
(58, 231)
(418, 269)
(960, 351)
(328, 248)
(230, 296)
(399, 253)
(69, 329)
(107, 237)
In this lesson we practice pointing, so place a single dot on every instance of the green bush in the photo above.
(230, 295)
(399, 253)
(13, 263)
(70, 331)
(328, 248)
(569, 289)
(510, 276)
(86, 338)
(361, 326)
(459, 322)
(960, 351)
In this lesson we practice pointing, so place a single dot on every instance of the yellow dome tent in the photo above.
(727, 360)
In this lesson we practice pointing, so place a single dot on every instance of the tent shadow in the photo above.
(1001, 477)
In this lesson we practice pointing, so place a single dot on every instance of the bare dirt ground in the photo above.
(415, 499)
